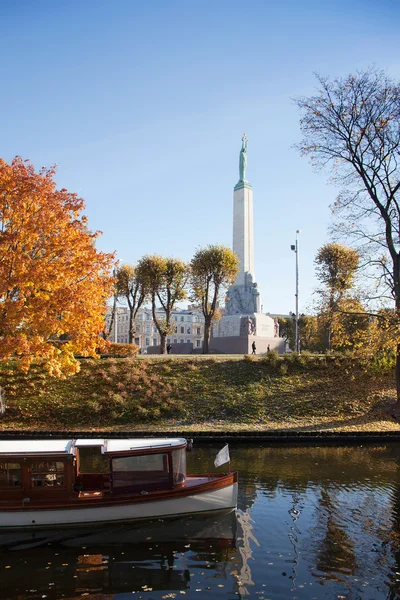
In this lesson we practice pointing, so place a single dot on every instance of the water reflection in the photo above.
(311, 523)
(158, 556)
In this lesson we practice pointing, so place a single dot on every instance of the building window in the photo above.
(154, 329)
(168, 340)
(154, 341)
(147, 342)
(147, 328)
(182, 341)
(175, 318)
(182, 330)
(198, 342)
(175, 341)
(188, 341)
(188, 330)
(182, 318)
(147, 317)
(198, 331)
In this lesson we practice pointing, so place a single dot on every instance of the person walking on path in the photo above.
(253, 347)
(169, 348)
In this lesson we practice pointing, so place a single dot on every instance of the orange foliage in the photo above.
(114, 349)
(53, 281)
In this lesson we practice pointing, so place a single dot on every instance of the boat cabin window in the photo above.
(47, 473)
(150, 471)
(92, 461)
(10, 475)
(179, 465)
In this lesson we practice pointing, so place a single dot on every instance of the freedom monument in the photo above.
(243, 322)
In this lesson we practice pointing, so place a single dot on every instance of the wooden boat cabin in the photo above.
(64, 469)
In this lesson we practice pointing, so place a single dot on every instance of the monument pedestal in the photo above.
(235, 334)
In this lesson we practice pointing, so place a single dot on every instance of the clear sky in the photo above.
(143, 105)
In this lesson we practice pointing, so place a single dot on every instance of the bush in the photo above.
(383, 362)
(120, 350)
(271, 358)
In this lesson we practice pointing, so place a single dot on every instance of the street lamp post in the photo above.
(295, 249)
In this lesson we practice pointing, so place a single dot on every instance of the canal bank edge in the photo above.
(211, 437)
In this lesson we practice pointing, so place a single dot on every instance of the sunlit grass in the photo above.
(183, 392)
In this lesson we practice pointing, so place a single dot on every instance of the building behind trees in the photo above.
(188, 328)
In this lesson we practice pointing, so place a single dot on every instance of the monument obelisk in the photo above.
(243, 322)
(243, 235)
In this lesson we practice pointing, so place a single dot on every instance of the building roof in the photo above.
(53, 447)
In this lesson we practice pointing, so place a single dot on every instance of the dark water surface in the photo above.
(312, 522)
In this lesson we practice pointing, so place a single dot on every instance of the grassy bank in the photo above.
(199, 393)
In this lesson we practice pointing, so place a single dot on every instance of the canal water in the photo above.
(312, 522)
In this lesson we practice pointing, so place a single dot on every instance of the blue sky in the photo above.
(142, 106)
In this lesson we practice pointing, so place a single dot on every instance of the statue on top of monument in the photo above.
(243, 159)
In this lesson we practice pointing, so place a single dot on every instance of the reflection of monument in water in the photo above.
(243, 322)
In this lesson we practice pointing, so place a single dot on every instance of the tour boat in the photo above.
(47, 483)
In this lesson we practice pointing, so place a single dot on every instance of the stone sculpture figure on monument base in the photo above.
(243, 159)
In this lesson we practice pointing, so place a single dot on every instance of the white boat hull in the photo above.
(209, 501)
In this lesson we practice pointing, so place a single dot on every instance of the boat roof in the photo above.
(49, 447)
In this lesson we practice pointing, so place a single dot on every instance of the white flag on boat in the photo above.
(222, 456)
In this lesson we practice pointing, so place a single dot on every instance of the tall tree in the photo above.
(336, 267)
(352, 125)
(53, 281)
(213, 270)
(130, 289)
(163, 280)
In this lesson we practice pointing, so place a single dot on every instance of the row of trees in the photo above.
(164, 282)
(55, 284)
(341, 319)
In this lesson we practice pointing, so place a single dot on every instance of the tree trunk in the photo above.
(131, 326)
(398, 374)
(163, 343)
(396, 279)
(207, 335)
(2, 402)
(113, 317)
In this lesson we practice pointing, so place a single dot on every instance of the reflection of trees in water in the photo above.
(294, 533)
(336, 550)
(269, 464)
(390, 536)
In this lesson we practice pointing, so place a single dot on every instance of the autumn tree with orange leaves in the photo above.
(53, 282)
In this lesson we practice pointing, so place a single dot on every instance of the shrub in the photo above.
(121, 350)
(283, 368)
(249, 358)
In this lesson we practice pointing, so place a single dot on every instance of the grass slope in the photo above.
(199, 393)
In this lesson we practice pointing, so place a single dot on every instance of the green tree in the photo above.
(351, 326)
(163, 280)
(352, 125)
(130, 289)
(309, 332)
(336, 267)
(213, 269)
